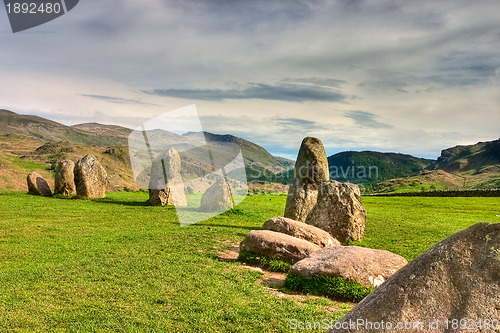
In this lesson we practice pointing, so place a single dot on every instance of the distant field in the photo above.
(119, 265)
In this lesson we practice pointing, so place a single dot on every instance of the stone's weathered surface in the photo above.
(369, 267)
(90, 178)
(457, 278)
(311, 170)
(217, 197)
(160, 197)
(65, 178)
(276, 244)
(38, 185)
(339, 211)
(300, 230)
(166, 186)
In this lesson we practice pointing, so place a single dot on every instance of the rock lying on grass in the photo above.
(368, 267)
(37, 185)
(279, 245)
(64, 178)
(300, 230)
(456, 279)
(90, 178)
(339, 211)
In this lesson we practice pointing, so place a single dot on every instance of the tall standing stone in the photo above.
(65, 178)
(90, 178)
(166, 186)
(37, 185)
(339, 211)
(311, 171)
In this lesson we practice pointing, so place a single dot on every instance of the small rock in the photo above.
(37, 185)
(300, 230)
(276, 244)
(217, 197)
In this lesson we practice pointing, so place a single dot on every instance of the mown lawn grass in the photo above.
(117, 264)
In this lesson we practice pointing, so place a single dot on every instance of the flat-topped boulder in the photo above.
(279, 245)
(300, 230)
(37, 185)
(339, 211)
(368, 267)
(311, 170)
(458, 278)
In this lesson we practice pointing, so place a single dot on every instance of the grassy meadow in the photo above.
(119, 265)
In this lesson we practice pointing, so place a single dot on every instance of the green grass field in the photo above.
(117, 264)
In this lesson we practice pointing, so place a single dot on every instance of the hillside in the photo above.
(34, 143)
(42, 129)
(370, 167)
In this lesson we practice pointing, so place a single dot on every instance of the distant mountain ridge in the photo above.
(373, 167)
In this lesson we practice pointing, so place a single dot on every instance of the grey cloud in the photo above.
(320, 81)
(118, 100)
(366, 119)
(279, 92)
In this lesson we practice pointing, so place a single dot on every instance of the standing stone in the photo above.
(339, 211)
(90, 178)
(37, 185)
(458, 278)
(311, 171)
(65, 178)
(217, 197)
(166, 186)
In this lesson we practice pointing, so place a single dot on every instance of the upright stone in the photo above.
(457, 279)
(90, 178)
(37, 185)
(339, 211)
(65, 178)
(217, 197)
(311, 171)
(166, 186)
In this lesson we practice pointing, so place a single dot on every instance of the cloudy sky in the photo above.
(405, 76)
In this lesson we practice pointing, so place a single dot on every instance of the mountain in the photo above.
(34, 143)
(42, 129)
(370, 167)
(474, 157)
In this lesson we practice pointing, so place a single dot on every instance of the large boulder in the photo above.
(339, 211)
(65, 178)
(90, 178)
(217, 197)
(37, 185)
(166, 186)
(456, 279)
(276, 244)
(300, 230)
(369, 267)
(311, 171)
